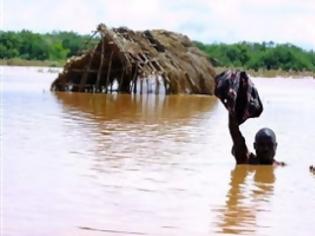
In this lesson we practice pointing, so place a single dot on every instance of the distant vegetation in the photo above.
(16, 47)
(56, 46)
(266, 56)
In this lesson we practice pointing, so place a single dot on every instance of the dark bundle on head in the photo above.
(238, 94)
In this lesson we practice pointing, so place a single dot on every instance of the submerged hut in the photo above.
(151, 61)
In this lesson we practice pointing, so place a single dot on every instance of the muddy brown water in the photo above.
(84, 164)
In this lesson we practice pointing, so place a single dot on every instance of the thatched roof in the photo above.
(156, 61)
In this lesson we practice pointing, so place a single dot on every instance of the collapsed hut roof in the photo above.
(156, 61)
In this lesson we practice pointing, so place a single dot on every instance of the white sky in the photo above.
(208, 21)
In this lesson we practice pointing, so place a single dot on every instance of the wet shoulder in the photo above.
(253, 160)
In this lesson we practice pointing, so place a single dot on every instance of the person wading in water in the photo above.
(239, 95)
(265, 146)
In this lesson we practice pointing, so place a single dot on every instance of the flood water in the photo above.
(84, 164)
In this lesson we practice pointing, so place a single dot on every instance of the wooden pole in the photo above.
(134, 79)
(148, 85)
(166, 83)
(121, 79)
(99, 73)
(157, 87)
(109, 70)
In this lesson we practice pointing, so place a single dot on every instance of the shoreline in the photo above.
(31, 63)
(272, 73)
(251, 72)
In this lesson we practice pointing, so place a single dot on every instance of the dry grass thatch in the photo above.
(155, 61)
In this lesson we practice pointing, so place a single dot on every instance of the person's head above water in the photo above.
(265, 146)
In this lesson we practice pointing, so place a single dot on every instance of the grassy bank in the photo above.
(23, 62)
(255, 73)
(272, 73)
(280, 73)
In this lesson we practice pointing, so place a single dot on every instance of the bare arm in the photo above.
(239, 150)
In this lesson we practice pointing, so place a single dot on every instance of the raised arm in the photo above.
(239, 149)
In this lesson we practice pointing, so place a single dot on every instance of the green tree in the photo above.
(267, 55)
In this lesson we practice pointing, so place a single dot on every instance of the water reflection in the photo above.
(142, 130)
(83, 164)
(250, 190)
(125, 107)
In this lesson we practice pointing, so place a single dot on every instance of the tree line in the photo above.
(62, 45)
(50, 46)
(266, 55)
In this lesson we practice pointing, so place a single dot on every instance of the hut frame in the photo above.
(155, 61)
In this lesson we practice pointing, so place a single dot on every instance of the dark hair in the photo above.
(265, 132)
